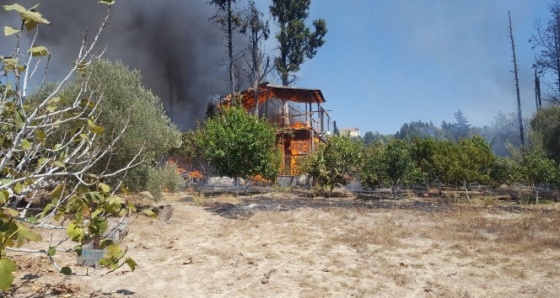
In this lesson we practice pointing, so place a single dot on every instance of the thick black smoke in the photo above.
(179, 52)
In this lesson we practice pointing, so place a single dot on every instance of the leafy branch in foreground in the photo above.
(48, 143)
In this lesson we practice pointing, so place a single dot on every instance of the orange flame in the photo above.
(196, 174)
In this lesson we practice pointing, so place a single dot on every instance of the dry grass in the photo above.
(337, 252)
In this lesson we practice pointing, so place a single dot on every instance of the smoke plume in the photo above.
(179, 52)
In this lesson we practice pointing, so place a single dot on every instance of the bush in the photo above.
(51, 140)
(390, 164)
(163, 179)
(238, 144)
(124, 102)
(335, 162)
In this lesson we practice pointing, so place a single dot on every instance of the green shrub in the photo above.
(162, 179)
(124, 102)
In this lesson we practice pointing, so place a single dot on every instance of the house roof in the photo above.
(267, 91)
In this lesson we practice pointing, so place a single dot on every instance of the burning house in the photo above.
(299, 116)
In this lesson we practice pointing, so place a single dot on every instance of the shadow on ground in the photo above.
(267, 202)
(264, 203)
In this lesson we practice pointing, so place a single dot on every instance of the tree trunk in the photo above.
(557, 47)
(538, 99)
(465, 184)
(536, 193)
(520, 118)
(230, 51)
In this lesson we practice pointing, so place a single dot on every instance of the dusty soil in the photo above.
(296, 245)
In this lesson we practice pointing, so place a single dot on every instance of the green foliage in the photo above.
(164, 178)
(124, 102)
(239, 144)
(473, 159)
(296, 40)
(545, 126)
(466, 161)
(370, 138)
(504, 170)
(388, 164)
(538, 169)
(334, 162)
(192, 151)
(48, 140)
(30, 17)
(423, 152)
(399, 163)
(535, 165)
(373, 169)
(7, 267)
(531, 167)
(415, 129)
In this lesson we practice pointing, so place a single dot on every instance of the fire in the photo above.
(260, 179)
(196, 174)
(179, 167)
(297, 125)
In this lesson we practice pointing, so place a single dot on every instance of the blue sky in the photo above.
(389, 62)
(385, 62)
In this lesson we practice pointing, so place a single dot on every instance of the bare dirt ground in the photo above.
(295, 245)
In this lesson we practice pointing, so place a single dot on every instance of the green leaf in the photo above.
(33, 220)
(19, 119)
(42, 160)
(18, 188)
(57, 191)
(96, 213)
(131, 263)
(9, 30)
(51, 251)
(38, 51)
(82, 66)
(149, 213)
(6, 181)
(7, 267)
(122, 213)
(15, 7)
(75, 233)
(59, 164)
(41, 136)
(66, 270)
(96, 129)
(113, 251)
(54, 100)
(32, 18)
(4, 195)
(26, 233)
(98, 226)
(51, 108)
(26, 145)
(78, 249)
(116, 200)
(104, 187)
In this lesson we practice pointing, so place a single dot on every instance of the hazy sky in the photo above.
(388, 62)
(385, 62)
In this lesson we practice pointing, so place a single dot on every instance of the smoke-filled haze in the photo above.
(172, 43)
(385, 62)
